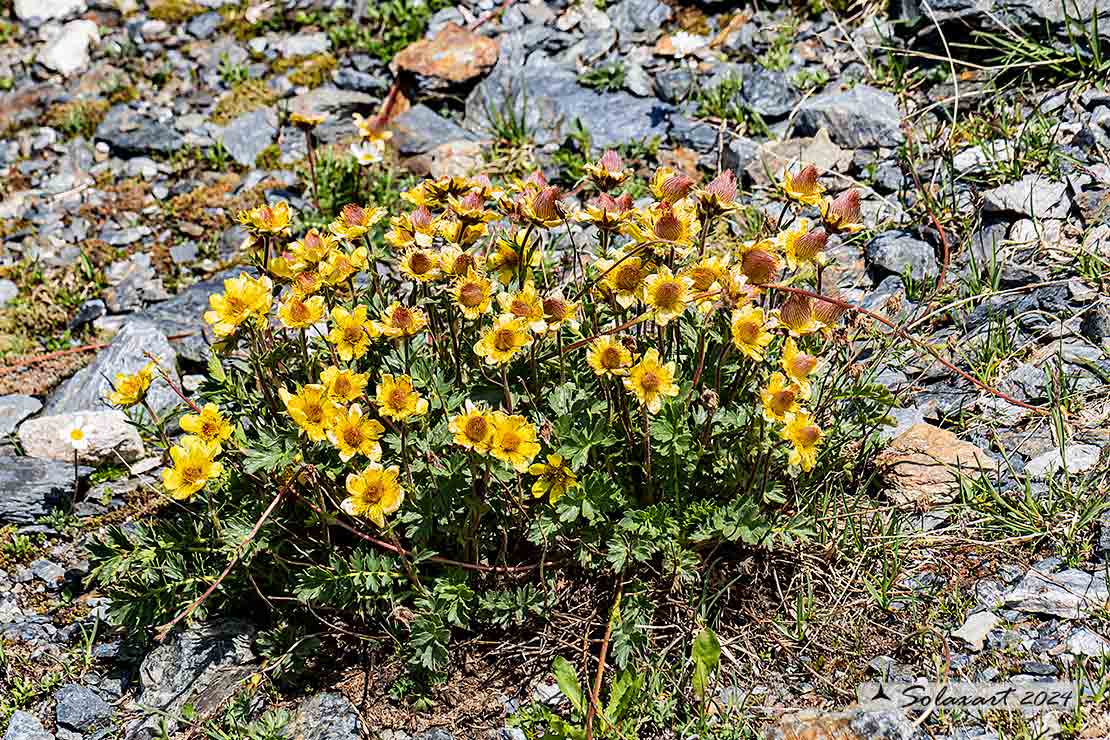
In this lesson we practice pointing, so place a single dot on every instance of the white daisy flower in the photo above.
(74, 435)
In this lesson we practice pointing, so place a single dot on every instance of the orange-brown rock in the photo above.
(923, 464)
(452, 57)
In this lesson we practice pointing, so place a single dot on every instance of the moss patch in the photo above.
(174, 11)
(269, 158)
(243, 98)
(314, 71)
(77, 117)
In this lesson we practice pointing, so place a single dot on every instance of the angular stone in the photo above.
(922, 464)
(1086, 642)
(131, 134)
(47, 10)
(975, 629)
(452, 57)
(31, 489)
(452, 159)
(860, 117)
(1080, 458)
(327, 716)
(1035, 196)
(108, 434)
(1069, 594)
(303, 44)
(80, 708)
(14, 409)
(9, 291)
(774, 156)
(134, 282)
(86, 390)
(68, 52)
(899, 252)
(25, 726)
(247, 135)
(420, 129)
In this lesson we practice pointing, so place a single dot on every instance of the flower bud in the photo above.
(844, 209)
(811, 244)
(667, 226)
(422, 218)
(796, 311)
(760, 266)
(610, 161)
(724, 187)
(676, 187)
(805, 182)
(545, 204)
(828, 313)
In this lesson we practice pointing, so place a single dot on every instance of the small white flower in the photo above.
(685, 43)
(74, 435)
(368, 152)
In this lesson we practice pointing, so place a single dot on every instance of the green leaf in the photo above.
(706, 654)
(625, 690)
(567, 680)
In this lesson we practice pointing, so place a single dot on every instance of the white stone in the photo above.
(107, 432)
(47, 9)
(1080, 459)
(1085, 642)
(976, 628)
(68, 52)
(1070, 594)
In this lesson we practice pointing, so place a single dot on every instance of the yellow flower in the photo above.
(401, 321)
(209, 425)
(354, 220)
(506, 260)
(310, 409)
(710, 275)
(749, 332)
(780, 399)
(801, 432)
(473, 428)
(307, 283)
(514, 441)
(558, 311)
(717, 197)
(606, 212)
(650, 381)
(307, 119)
(525, 305)
(460, 232)
(298, 313)
(355, 434)
(667, 295)
(267, 219)
(343, 386)
(420, 264)
(670, 186)
(542, 207)
(352, 332)
(373, 493)
(798, 365)
(607, 356)
(418, 227)
(397, 399)
(340, 266)
(801, 245)
(311, 250)
(665, 227)
(841, 214)
(555, 478)
(503, 340)
(623, 278)
(457, 262)
(243, 298)
(194, 465)
(796, 315)
(609, 172)
(132, 389)
(473, 294)
(803, 187)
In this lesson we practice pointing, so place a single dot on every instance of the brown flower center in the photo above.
(420, 263)
(611, 358)
(402, 318)
(504, 339)
(470, 295)
(352, 435)
(520, 307)
(313, 413)
(628, 278)
(342, 387)
(667, 294)
(809, 435)
(781, 401)
(476, 428)
(650, 382)
(747, 331)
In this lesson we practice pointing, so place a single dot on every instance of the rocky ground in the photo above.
(134, 131)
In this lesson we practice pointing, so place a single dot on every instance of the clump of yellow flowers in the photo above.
(444, 347)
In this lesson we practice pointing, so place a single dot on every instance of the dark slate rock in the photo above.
(420, 129)
(90, 311)
(49, 572)
(860, 117)
(740, 153)
(31, 488)
(25, 726)
(551, 103)
(131, 134)
(1096, 322)
(674, 85)
(639, 17)
(14, 409)
(80, 708)
(359, 81)
(697, 135)
(85, 391)
(898, 252)
(768, 92)
(327, 716)
(1030, 15)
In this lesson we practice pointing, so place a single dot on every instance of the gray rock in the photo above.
(202, 666)
(8, 292)
(740, 155)
(183, 315)
(860, 117)
(249, 134)
(327, 716)
(697, 135)
(87, 388)
(359, 81)
(420, 129)
(47, 10)
(68, 52)
(768, 92)
(130, 134)
(639, 18)
(80, 708)
(1085, 642)
(1027, 383)
(109, 435)
(1096, 322)
(862, 723)
(304, 44)
(14, 409)
(25, 726)
(30, 489)
(1080, 458)
(204, 25)
(134, 283)
(90, 311)
(1035, 196)
(975, 629)
(1069, 594)
(1029, 15)
(49, 572)
(674, 85)
(547, 98)
(903, 419)
(898, 252)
